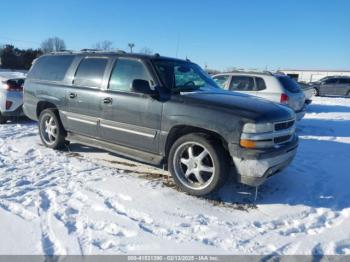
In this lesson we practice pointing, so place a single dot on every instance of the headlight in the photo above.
(257, 135)
(252, 128)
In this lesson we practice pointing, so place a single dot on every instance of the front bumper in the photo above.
(254, 168)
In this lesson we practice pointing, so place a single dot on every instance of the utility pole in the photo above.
(131, 46)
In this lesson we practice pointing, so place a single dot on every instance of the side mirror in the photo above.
(142, 86)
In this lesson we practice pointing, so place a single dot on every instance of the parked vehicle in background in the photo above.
(11, 95)
(308, 90)
(162, 111)
(274, 87)
(332, 86)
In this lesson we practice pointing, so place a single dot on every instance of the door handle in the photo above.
(107, 100)
(72, 95)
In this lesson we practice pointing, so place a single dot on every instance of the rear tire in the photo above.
(3, 120)
(51, 132)
(198, 165)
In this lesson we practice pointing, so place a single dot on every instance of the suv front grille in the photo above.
(284, 125)
(281, 139)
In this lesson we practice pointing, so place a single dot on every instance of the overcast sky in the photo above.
(221, 33)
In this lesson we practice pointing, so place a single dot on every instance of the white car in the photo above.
(274, 87)
(11, 95)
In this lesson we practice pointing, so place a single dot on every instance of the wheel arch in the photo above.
(180, 130)
(42, 105)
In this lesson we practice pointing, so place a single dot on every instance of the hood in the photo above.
(250, 107)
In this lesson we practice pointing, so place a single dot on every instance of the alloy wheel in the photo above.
(49, 130)
(194, 165)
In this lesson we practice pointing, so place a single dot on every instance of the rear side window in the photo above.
(242, 83)
(51, 68)
(289, 84)
(222, 80)
(90, 72)
(125, 72)
(260, 84)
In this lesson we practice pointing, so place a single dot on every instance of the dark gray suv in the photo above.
(162, 111)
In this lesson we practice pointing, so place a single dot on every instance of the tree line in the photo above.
(12, 57)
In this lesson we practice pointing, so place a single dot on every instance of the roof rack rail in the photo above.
(61, 52)
(259, 72)
(92, 50)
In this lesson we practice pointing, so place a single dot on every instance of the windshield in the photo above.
(289, 84)
(183, 76)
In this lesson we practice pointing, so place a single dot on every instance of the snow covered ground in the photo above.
(86, 201)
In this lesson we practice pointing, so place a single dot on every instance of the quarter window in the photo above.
(260, 84)
(242, 83)
(51, 68)
(222, 80)
(125, 72)
(90, 72)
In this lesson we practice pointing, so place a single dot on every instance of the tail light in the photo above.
(284, 99)
(8, 104)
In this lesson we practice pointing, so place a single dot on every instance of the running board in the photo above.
(131, 153)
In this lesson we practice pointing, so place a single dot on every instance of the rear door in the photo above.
(83, 97)
(130, 119)
(343, 87)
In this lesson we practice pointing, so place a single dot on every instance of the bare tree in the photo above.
(53, 44)
(131, 46)
(146, 51)
(105, 45)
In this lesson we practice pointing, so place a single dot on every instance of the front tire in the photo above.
(51, 131)
(198, 166)
(316, 92)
